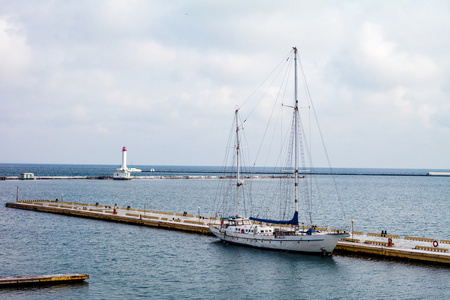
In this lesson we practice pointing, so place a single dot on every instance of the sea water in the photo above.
(128, 262)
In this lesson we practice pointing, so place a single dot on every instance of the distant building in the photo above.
(122, 174)
(25, 176)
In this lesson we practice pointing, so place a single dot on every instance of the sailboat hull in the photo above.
(320, 243)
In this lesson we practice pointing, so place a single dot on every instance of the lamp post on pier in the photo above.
(352, 228)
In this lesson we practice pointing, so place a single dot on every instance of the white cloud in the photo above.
(80, 113)
(391, 64)
(15, 54)
(172, 72)
(150, 54)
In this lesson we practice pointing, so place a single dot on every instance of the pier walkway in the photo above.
(427, 250)
(167, 220)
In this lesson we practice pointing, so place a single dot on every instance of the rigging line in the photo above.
(286, 137)
(323, 141)
(284, 61)
(224, 169)
(223, 188)
(310, 155)
(245, 153)
(313, 178)
(284, 82)
(245, 192)
(282, 187)
(243, 164)
(288, 164)
(303, 141)
(228, 147)
(267, 77)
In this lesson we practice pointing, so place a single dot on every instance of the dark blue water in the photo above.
(130, 262)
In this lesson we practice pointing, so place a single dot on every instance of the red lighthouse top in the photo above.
(124, 148)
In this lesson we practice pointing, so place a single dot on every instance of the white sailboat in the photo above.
(283, 235)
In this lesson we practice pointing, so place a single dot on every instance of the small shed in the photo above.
(25, 176)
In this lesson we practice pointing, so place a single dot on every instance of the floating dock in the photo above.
(426, 250)
(42, 279)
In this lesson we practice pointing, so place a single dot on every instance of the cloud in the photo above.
(167, 75)
(149, 54)
(392, 65)
(387, 82)
(15, 54)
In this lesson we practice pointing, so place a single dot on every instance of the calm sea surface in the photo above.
(128, 262)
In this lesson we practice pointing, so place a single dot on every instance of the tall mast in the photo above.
(296, 117)
(238, 179)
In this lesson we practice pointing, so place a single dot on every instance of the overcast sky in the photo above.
(81, 79)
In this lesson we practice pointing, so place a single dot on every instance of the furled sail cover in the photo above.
(294, 220)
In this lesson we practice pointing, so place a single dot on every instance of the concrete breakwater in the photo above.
(426, 250)
(104, 177)
(219, 174)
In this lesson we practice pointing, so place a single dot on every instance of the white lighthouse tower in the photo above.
(124, 172)
(124, 158)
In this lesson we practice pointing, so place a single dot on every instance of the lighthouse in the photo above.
(124, 172)
(124, 158)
